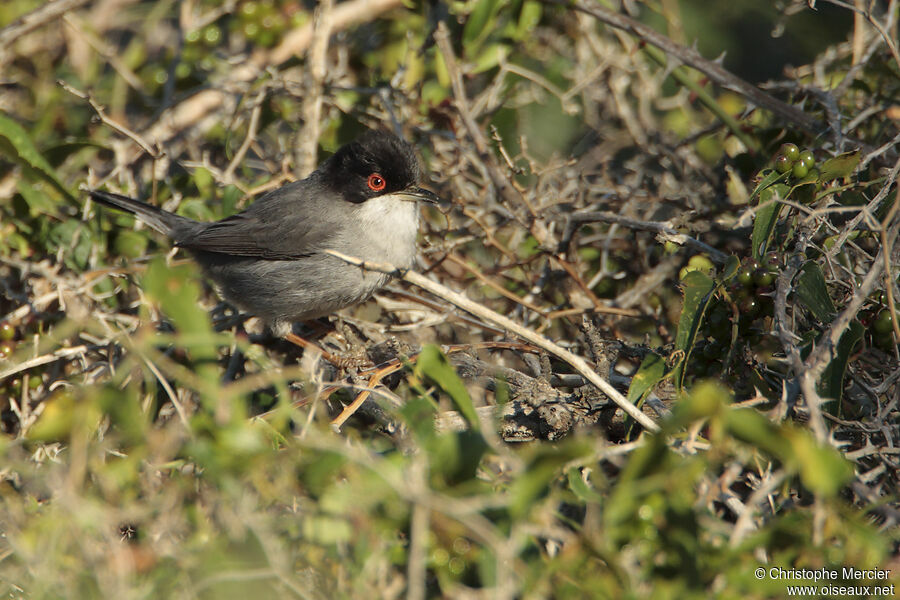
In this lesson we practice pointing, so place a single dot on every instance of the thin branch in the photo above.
(295, 43)
(43, 360)
(666, 232)
(882, 30)
(228, 174)
(505, 190)
(37, 18)
(509, 325)
(691, 57)
(138, 139)
(821, 356)
(308, 140)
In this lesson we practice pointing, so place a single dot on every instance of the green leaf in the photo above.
(230, 196)
(195, 208)
(839, 166)
(731, 268)
(177, 290)
(476, 28)
(529, 17)
(821, 468)
(490, 57)
(766, 217)
(804, 192)
(543, 467)
(38, 202)
(770, 178)
(698, 288)
(813, 293)
(16, 143)
(651, 372)
(831, 385)
(418, 413)
(55, 155)
(581, 489)
(454, 457)
(130, 243)
(434, 365)
(75, 239)
(752, 428)
(706, 399)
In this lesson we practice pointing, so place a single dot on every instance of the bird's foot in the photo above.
(341, 361)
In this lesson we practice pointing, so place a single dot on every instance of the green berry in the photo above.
(6, 349)
(807, 159)
(7, 331)
(745, 276)
(701, 263)
(183, 71)
(211, 35)
(251, 30)
(159, 76)
(884, 342)
(790, 151)
(750, 307)
(783, 164)
(799, 170)
(884, 322)
(763, 277)
(249, 10)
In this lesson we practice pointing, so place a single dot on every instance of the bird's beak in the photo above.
(417, 193)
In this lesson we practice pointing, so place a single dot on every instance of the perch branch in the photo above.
(509, 325)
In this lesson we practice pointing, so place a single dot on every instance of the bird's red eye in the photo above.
(376, 182)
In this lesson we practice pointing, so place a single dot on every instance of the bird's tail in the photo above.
(157, 218)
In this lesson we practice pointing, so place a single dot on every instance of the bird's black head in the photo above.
(375, 164)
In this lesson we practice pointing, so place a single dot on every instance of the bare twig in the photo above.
(295, 43)
(665, 231)
(228, 174)
(137, 138)
(308, 139)
(883, 30)
(508, 324)
(43, 360)
(820, 357)
(693, 58)
(504, 188)
(374, 380)
(37, 18)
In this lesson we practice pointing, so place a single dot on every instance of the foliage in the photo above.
(745, 278)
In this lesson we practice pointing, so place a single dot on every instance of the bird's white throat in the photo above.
(391, 223)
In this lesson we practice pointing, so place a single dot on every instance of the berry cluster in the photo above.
(747, 301)
(880, 323)
(800, 164)
(7, 340)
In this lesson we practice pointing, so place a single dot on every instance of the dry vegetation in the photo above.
(624, 219)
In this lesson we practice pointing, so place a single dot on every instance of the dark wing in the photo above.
(288, 223)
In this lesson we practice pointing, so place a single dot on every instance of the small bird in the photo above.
(269, 260)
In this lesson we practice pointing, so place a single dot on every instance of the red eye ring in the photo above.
(376, 182)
